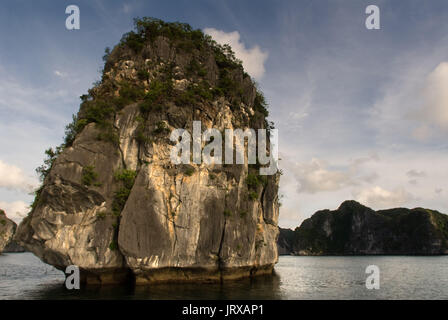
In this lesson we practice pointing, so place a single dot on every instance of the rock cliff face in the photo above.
(113, 203)
(354, 229)
(7, 230)
(285, 241)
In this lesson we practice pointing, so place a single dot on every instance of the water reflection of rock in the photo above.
(262, 287)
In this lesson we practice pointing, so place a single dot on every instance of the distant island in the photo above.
(7, 231)
(354, 229)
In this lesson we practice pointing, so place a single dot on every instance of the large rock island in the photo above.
(112, 201)
(354, 229)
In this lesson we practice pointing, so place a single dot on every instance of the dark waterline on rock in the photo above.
(23, 276)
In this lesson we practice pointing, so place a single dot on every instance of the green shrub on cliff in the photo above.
(159, 91)
(254, 180)
(253, 195)
(37, 194)
(126, 178)
(51, 156)
(227, 213)
(130, 93)
(143, 75)
(108, 134)
(189, 171)
(72, 130)
(113, 245)
(89, 176)
(195, 94)
(161, 127)
(260, 104)
(148, 28)
(97, 111)
(134, 41)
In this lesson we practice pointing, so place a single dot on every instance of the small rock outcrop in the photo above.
(113, 203)
(354, 229)
(7, 230)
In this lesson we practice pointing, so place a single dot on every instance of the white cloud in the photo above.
(379, 198)
(60, 73)
(253, 59)
(13, 177)
(33, 103)
(16, 210)
(318, 176)
(315, 177)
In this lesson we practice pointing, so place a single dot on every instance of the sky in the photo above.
(362, 114)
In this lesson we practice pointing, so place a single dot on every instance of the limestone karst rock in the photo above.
(354, 229)
(7, 230)
(113, 203)
(285, 241)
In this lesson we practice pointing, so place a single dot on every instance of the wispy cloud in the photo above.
(413, 109)
(60, 73)
(433, 113)
(380, 198)
(31, 102)
(253, 58)
(318, 176)
(315, 177)
(12, 177)
(15, 210)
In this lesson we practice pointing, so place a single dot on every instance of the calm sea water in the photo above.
(23, 276)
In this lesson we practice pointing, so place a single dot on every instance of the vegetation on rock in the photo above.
(90, 176)
(126, 178)
(356, 229)
(109, 96)
(159, 77)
